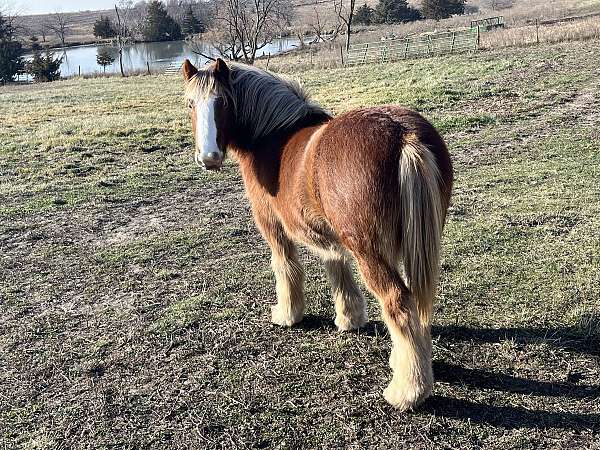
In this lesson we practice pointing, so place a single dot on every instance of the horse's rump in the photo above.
(383, 177)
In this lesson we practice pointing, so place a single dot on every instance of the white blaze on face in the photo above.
(207, 150)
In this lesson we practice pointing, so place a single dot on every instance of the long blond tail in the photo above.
(422, 222)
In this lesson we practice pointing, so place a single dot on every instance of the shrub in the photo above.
(104, 58)
(104, 28)
(442, 9)
(11, 51)
(395, 11)
(44, 67)
(365, 15)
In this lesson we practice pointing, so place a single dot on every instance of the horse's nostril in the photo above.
(213, 156)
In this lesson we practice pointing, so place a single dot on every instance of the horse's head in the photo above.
(210, 104)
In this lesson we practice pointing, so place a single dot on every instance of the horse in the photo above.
(371, 185)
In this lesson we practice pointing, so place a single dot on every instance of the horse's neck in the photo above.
(260, 169)
(261, 160)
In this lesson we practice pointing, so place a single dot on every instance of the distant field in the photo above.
(135, 289)
(80, 26)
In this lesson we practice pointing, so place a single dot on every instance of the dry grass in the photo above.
(520, 31)
(588, 28)
(135, 288)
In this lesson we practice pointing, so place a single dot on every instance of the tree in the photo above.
(104, 58)
(35, 44)
(324, 24)
(242, 27)
(365, 15)
(104, 28)
(395, 11)
(121, 33)
(442, 9)
(345, 13)
(44, 67)
(60, 25)
(190, 23)
(11, 51)
(497, 5)
(160, 26)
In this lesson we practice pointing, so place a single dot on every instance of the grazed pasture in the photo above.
(135, 289)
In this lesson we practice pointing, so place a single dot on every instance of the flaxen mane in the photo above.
(263, 102)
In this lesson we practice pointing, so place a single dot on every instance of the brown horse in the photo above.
(373, 184)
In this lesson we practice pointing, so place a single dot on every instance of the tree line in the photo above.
(154, 20)
(236, 29)
(399, 11)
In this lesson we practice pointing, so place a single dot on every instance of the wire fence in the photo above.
(433, 44)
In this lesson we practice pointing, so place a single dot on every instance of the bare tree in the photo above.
(12, 15)
(324, 23)
(133, 15)
(345, 12)
(60, 25)
(126, 13)
(44, 30)
(242, 27)
(120, 34)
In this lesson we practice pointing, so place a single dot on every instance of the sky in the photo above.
(49, 6)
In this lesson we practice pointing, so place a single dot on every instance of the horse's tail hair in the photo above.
(422, 221)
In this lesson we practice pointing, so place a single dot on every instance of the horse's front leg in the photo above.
(289, 282)
(289, 275)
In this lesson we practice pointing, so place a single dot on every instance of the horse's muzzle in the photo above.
(210, 161)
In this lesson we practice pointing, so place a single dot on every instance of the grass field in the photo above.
(135, 289)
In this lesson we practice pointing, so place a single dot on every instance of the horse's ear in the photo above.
(188, 70)
(222, 70)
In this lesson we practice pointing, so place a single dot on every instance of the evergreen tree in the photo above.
(159, 26)
(104, 58)
(191, 24)
(11, 51)
(44, 67)
(442, 9)
(104, 28)
(365, 15)
(396, 11)
(35, 45)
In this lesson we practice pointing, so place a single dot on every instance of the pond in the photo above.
(137, 57)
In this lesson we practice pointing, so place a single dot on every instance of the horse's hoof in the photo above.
(406, 397)
(285, 318)
(344, 323)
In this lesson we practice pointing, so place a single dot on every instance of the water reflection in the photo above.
(137, 57)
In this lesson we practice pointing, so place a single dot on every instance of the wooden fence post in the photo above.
(365, 54)
(478, 38)
(342, 53)
(537, 31)
(79, 70)
(268, 59)
(148, 66)
(406, 49)
(453, 39)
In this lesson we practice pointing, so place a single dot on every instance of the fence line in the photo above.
(434, 44)
(488, 23)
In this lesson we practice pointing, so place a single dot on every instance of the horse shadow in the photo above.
(509, 417)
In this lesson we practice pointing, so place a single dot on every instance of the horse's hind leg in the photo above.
(410, 358)
(350, 305)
